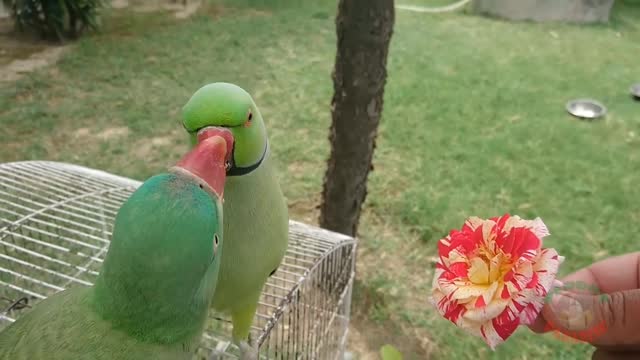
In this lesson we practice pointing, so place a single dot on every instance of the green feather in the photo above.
(151, 298)
(256, 232)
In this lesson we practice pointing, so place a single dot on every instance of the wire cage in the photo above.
(55, 226)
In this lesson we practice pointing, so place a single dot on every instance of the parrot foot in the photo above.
(248, 350)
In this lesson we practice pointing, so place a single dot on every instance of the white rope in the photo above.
(440, 9)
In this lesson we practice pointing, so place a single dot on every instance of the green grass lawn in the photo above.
(473, 124)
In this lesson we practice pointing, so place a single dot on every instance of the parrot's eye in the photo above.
(249, 118)
(216, 240)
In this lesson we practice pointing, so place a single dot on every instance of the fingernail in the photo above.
(570, 312)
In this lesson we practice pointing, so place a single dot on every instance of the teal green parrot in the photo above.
(256, 224)
(153, 293)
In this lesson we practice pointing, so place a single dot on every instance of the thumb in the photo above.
(602, 320)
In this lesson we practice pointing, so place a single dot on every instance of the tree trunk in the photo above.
(364, 29)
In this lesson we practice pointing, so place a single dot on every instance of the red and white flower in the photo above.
(493, 275)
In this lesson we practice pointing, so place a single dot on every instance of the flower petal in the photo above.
(459, 269)
(494, 267)
(490, 293)
(453, 311)
(493, 309)
(462, 242)
(532, 306)
(538, 228)
(546, 266)
(490, 336)
(519, 244)
(472, 223)
(436, 276)
(470, 290)
(506, 323)
(503, 220)
(478, 272)
(471, 327)
(489, 235)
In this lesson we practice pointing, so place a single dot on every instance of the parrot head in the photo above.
(161, 269)
(227, 106)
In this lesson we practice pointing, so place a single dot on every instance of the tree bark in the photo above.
(364, 29)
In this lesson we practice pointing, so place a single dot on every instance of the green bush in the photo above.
(55, 19)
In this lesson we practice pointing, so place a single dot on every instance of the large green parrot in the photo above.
(153, 293)
(256, 224)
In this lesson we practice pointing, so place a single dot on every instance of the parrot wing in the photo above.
(64, 326)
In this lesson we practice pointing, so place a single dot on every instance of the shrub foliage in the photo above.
(55, 19)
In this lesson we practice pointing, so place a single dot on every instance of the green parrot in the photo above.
(256, 224)
(153, 293)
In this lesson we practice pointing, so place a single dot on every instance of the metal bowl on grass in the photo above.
(635, 91)
(586, 108)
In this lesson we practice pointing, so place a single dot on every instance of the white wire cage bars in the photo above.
(55, 226)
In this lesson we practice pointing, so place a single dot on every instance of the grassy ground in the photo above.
(473, 124)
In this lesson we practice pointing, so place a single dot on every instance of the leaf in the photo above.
(388, 352)
(49, 17)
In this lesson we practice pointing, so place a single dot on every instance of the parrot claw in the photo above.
(248, 350)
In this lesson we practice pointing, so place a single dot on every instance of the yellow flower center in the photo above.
(486, 268)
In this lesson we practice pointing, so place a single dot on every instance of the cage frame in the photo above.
(115, 184)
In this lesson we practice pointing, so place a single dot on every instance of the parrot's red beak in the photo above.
(208, 159)
(211, 131)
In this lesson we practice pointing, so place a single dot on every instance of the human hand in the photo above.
(609, 319)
